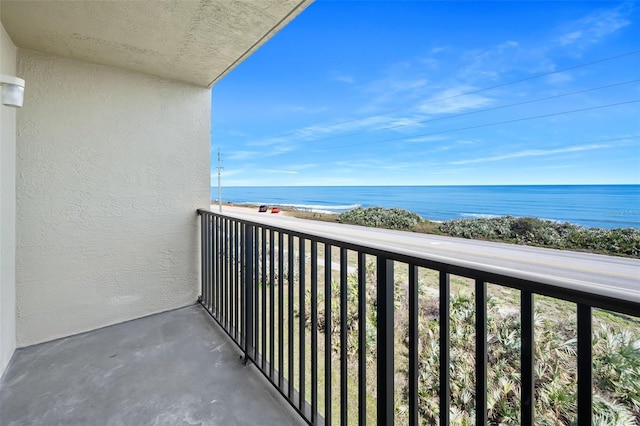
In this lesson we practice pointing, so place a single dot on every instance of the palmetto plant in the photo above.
(616, 356)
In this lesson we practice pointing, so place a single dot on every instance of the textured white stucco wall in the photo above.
(112, 166)
(7, 211)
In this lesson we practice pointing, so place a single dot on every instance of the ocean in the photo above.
(602, 206)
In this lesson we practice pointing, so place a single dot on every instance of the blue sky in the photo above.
(437, 93)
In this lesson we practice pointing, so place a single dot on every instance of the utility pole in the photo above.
(219, 185)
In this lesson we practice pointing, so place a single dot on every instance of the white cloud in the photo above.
(301, 109)
(594, 27)
(242, 155)
(427, 139)
(343, 78)
(453, 100)
(559, 78)
(494, 62)
(288, 172)
(532, 153)
(359, 125)
(570, 38)
(272, 151)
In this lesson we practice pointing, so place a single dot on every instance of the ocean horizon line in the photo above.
(426, 185)
(604, 205)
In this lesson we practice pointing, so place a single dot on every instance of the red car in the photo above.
(275, 209)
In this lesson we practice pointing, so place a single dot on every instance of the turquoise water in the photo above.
(603, 206)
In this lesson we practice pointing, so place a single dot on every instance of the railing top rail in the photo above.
(601, 296)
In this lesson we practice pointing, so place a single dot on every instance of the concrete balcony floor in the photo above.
(174, 368)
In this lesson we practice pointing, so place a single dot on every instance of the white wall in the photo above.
(112, 166)
(7, 211)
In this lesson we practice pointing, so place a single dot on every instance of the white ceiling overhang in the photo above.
(193, 41)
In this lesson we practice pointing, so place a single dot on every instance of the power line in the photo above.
(573, 67)
(477, 111)
(535, 76)
(489, 124)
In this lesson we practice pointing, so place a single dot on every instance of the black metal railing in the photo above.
(277, 291)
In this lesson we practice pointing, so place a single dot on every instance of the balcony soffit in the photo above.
(195, 41)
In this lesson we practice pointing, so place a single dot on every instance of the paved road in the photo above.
(598, 270)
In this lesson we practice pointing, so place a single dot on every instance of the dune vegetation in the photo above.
(508, 229)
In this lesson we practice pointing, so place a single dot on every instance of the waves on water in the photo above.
(479, 215)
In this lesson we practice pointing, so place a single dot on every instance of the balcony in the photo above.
(171, 368)
(335, 343)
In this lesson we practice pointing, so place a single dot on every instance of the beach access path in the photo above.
(593, 269)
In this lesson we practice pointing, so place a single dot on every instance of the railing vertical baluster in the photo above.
(445, 389)
(481, 352)
(203, 257)
(327, 334)
(225, 262)
(227, 272)
(207, 263)
(314, 332)
(362, 339)
(205, 260)
(585, 373)
(527, 403)
(242, 290)
(280, 308)
(385, 347)
(211, 262)
(302, 337)
(236, 235)
(343, 336)
(263, 276)
(215, 264)
(223, 270)
(248, 289)
(413, 344)
(256, 295)
(221, 255)
(219, 268)
(290, 326)
(212, 270)
(272, 268)
(230, 262)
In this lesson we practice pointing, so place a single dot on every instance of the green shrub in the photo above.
(547, 233)
(379, 217)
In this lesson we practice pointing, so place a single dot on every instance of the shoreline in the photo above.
(293, 211)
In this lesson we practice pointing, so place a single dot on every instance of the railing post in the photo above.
(248, 289)
(445, 359)
(385, 341)
(481, 353)
(327, 333)
(202, 256)
(343, 337)
(362, 339)
(585, 373)
(527, 378)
